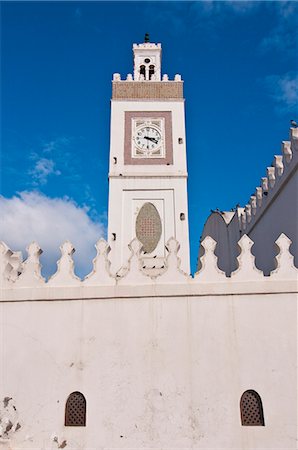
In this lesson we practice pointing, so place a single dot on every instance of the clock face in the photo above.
(148, 138)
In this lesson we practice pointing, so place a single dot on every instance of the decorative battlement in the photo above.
(27, 274)
(277, 174)
(146, 46)
(129, 77)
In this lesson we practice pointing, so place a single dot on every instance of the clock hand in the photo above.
(151, 139)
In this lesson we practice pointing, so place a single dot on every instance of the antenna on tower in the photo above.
(147, 38)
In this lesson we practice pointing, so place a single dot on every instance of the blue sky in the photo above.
(239, 66)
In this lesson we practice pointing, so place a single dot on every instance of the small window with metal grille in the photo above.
(75, 410)
(251, 409)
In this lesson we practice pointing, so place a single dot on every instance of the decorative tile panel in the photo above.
(148, 227)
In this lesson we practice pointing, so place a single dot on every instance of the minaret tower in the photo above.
(148, 172)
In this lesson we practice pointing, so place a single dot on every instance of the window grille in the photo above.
(75, 410)
(251, 409)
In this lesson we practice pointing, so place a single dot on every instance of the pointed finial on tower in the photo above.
(147, 38)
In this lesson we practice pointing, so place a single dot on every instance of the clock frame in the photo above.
(159, 120)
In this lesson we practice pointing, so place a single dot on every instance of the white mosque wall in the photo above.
(161, 360)
(156, 372)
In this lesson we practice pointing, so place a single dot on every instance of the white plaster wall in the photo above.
(163, 373)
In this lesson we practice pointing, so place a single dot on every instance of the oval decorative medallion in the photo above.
(148, 227)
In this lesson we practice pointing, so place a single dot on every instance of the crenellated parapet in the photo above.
(28, 274)
(129, 77)
(10, 264)
(277, 175)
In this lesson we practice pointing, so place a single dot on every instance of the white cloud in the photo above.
(78, 12)
(31, 216)
(204, 15)
(283, 36)
(55, 144)
(43, 168)
(289, 90)
(52, 152)
(284, 90)
(242, 6)
(230, 6)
